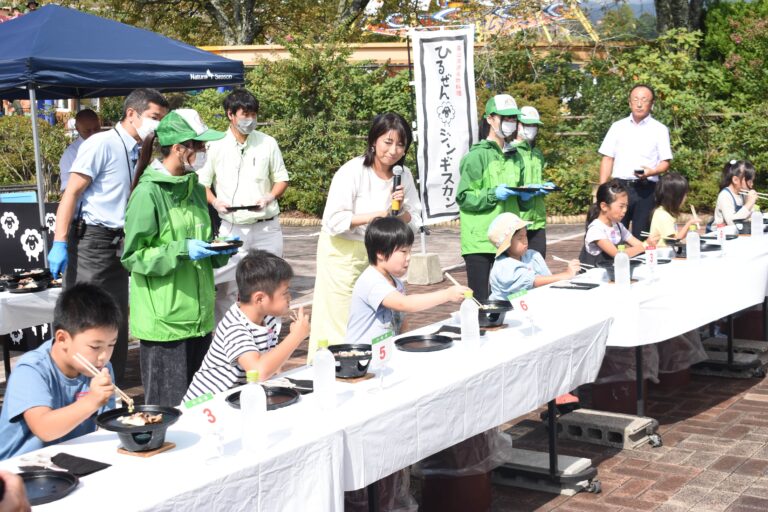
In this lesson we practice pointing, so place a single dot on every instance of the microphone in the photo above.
(397, 179)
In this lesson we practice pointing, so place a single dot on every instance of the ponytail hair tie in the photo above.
(733, 162)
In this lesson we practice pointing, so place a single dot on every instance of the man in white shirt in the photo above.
(636, 150)
(244, 176)
(86, 124)
(91, 214)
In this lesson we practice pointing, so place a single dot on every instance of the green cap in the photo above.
(322, 344)
(622, 248)
(182, 125)
(468, 294)
(529, 115)
(252, 376)
(503, 105)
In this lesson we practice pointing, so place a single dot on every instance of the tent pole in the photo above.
(41, 197)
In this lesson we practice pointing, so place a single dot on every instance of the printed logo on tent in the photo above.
(446, 112)
(32, 243)
(50, 222)
(208, 75)
(17, 336)
(10, 224)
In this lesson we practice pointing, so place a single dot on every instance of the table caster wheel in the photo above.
(594, 487)
(655, 440)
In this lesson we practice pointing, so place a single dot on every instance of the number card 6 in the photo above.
(520, 301)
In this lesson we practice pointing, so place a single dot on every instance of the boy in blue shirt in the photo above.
(51, 397)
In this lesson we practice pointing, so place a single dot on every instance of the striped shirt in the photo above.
(235, 335)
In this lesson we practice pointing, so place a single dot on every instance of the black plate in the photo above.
(108, 420)
(46, 486)
(41, 285)
(575, 286)
(535, 189)
(251, 207)
(277, 398)
(453, 330)
(711, 237)
(424, 343)
(231, 244)
(35, 273)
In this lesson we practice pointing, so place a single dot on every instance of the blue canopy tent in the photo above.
(56, 53)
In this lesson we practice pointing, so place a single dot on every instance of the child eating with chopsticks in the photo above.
(516, 267)
(736, 199)
(671, 193)
(246, 338)
(604, 228)
(51, 396)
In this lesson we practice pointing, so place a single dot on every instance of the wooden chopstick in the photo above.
(479, 304)
(585, 265)
(761, 195)
(94, 372)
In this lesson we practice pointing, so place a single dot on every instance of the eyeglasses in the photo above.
(640, 101)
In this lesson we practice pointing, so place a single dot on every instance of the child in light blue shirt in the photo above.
(49, 398)
(517, 267)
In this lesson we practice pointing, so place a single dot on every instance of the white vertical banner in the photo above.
(446, 115)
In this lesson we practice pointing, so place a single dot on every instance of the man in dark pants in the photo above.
(636, 150)
(91, 214)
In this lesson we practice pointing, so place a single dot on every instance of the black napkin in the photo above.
(78, 466)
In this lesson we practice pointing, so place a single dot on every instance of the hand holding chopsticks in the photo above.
(584, 266)
(95, 373)
(455, 282)
(760, 195)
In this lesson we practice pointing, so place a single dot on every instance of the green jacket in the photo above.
(172, 297)
(482, 170)
(533, 210)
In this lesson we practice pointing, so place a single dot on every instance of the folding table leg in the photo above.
(639, 374)
(373, 498)
(552, 421)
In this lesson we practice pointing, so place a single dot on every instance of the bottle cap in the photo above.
(468, 294)
(691, 228)
(622, 248)
(650, 248)
(252, 376)
(322, 344)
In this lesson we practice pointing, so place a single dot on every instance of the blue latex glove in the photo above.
(548, 184)
(198, 249)
(57, 258)
(526, 196)
(503, 193)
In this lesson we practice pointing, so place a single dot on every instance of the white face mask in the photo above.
(147, 127)
(508, 128)
(246, 125)
(530, 132)
(200, 158)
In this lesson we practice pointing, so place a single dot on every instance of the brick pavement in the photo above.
(714, 457)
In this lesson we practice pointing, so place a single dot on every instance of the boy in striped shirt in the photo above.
(246, 338)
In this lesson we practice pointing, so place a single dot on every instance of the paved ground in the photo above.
(715, 431)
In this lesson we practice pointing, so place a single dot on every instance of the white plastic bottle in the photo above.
(757, 223)
(621, 267)
(693, 244)
(253, 408)
(324, 366)
(470, 322)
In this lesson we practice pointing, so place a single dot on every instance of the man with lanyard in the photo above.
(636, 150)
(91, 214)
(244, 175)
(534, 209)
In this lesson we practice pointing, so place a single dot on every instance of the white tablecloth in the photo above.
(685, 295)
(21, 310)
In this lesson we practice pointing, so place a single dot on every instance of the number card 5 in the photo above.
(382, 347)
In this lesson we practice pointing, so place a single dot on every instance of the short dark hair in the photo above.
(260, 271)
(738, 169)
(85, 306)
(139, 100)
(637, 86)
(671, 191)
(385, 235)
(383, 123)
(240, 99)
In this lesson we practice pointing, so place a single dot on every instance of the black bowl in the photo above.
(608, 266)
(351, 366)
(493, 313)
(144, 438)
(40, 285)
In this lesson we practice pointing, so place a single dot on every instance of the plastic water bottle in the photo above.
(621, 268)
(324, 366)
(470, 322)
(757, 223)
(693, 244)
(253, 407)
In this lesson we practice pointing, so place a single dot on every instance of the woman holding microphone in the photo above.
(361, 190)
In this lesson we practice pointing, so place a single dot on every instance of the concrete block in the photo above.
(745, 365)
(606, 428)
(534, 472)
(424, 268)
(739, 345)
